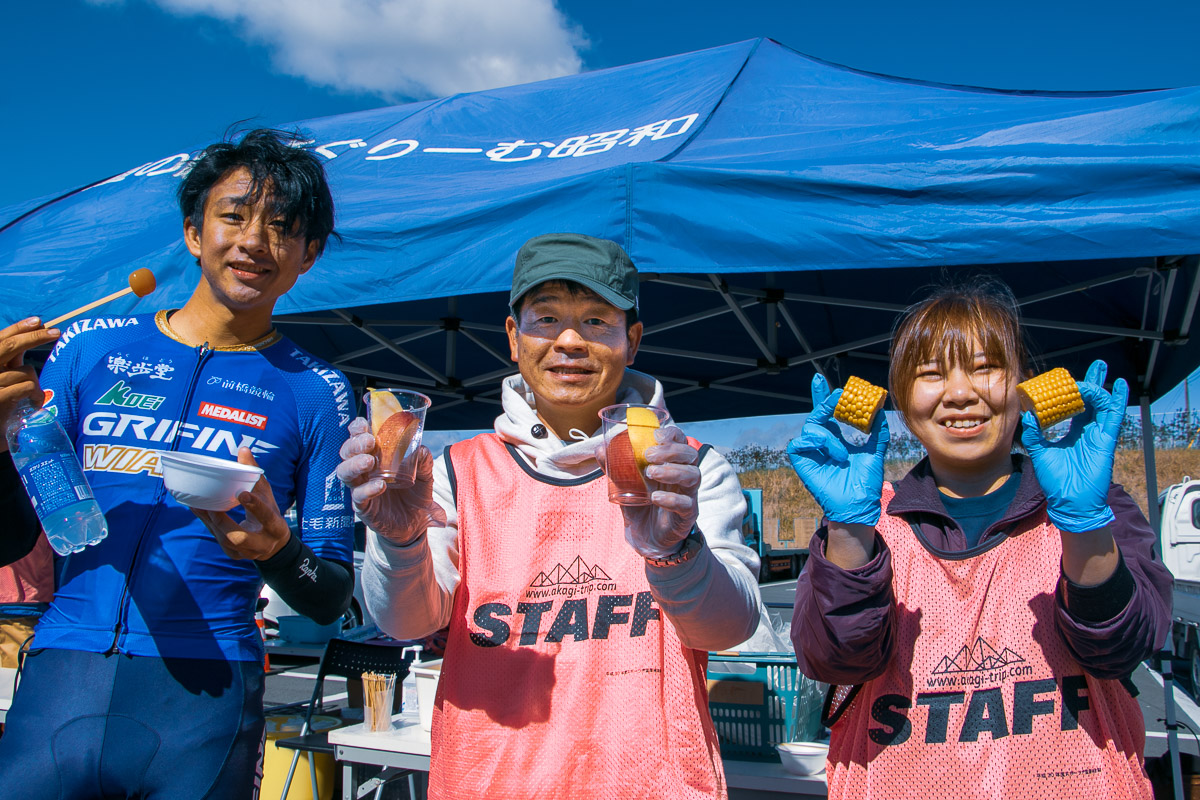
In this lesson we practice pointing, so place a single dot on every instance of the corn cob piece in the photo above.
(1052, 396)
(859, 403)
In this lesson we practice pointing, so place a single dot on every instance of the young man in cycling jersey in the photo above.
(145, 678)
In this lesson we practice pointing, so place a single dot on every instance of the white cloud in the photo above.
(403, 48)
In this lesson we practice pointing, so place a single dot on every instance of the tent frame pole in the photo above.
(387, 343)
(1148, 456)
(474, 339)
(1168, 675)
(346, 358)
(736, 308)
(697, 317)
(772, 355)
(1164, 302)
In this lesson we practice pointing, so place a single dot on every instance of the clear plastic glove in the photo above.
(400, 514)
(657, 530)
(846, 479)
(1076, 471)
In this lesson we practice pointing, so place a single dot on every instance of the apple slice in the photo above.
(393, 439)
(623, 468)
(642, 423)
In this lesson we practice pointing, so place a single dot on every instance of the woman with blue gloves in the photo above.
(988, 608)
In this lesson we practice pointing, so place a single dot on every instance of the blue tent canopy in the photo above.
(781, 209)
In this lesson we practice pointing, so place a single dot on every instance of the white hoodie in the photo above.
(712, 600)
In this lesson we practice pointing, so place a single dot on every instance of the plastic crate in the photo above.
(752, 706)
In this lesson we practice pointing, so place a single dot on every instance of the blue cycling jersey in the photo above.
(128, 388)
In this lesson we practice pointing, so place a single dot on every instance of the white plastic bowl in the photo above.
(803, 758)
(204, 482)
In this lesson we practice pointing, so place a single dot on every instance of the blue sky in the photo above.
(94, 87)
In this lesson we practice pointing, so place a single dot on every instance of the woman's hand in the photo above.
(846, 479)
(1076, 471)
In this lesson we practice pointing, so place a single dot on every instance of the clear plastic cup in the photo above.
(397, 419)
(628, 430)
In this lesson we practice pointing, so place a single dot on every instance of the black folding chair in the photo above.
(348, 660)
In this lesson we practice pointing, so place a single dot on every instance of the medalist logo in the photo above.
(120, 395)
(214, 411)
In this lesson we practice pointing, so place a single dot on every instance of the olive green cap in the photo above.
(599, 264)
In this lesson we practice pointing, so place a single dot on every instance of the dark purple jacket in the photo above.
(843, 621)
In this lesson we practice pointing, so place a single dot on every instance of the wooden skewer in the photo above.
(89, 306)
(141, 281)
(375, 691)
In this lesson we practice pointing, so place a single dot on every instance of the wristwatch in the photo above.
(686, 552)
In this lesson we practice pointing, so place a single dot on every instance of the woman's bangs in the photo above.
(955, 332)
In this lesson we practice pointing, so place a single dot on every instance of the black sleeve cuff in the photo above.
(1102, 602)
(318, 588)
(286, 560)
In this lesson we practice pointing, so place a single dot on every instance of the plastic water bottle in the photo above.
(53, 478)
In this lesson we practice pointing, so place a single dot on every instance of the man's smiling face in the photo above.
(572, 348)
(247, 255)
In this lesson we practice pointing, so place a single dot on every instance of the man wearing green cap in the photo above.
(578, 630)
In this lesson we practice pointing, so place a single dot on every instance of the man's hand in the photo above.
(262, 534)
(17, 381)
(656, 530)
(400, 514)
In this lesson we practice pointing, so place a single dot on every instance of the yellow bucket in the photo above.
(276, 760)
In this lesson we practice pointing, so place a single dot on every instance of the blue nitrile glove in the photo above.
(1076, 471)
(846, 479)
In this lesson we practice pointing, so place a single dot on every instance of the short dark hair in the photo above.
(575, 290)
(293, 178)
